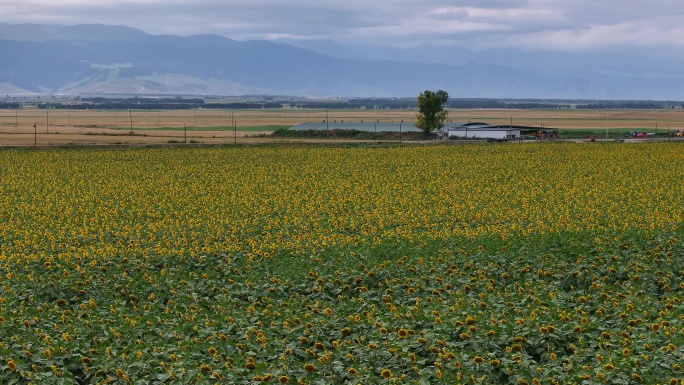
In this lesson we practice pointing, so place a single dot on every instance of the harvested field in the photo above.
(59, 127)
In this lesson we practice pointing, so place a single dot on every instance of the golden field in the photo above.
(59, 127)
(508, 263)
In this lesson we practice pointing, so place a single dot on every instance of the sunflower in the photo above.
(386, 373)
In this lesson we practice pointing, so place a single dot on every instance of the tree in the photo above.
(431, 114)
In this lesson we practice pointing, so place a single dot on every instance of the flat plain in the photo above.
(60, 127)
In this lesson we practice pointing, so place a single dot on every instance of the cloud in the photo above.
(549, 24)
(617, 36)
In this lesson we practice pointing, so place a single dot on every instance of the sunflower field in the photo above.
(520, 264)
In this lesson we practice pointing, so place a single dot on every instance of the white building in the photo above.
(483, 131)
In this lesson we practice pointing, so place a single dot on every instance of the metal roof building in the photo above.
(478, 130)
(453, 130)
(358, 125)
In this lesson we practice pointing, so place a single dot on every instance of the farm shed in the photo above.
(478, 130)
(360, 125)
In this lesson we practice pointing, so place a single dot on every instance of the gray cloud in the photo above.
(532, 24)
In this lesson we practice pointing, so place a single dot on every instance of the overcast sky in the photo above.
(552, 24)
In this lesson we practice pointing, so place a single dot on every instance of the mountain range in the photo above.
(107, 60)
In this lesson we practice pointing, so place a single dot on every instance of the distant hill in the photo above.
(99, 59)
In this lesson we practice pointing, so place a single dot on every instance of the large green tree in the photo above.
(431, 113)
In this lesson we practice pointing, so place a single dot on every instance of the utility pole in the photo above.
(235, 133)
(16, 118)
(35, 134)
(185, 133)
(47, 120)
(400, 130)
(326, 123)
(130, 114)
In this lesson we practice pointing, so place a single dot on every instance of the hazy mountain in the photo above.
(656, 62)
(325, 47)
(84, 32)
(97, 59)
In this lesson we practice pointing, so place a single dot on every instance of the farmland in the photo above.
(102, 127)
(492, 264)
